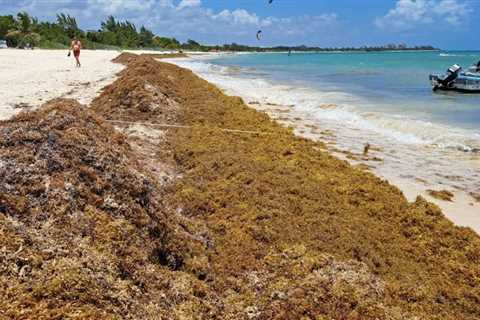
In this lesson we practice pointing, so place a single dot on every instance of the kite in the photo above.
(259, 33)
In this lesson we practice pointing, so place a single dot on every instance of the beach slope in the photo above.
(249, 222)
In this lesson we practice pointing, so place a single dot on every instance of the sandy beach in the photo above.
(29, 78)
(217, 212)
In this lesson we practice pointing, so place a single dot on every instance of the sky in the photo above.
(446, 24)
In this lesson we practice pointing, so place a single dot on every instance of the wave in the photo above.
(455, 55)
(447, 55)
(346, 116)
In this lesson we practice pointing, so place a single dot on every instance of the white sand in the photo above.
(35, 76)
(463, 210)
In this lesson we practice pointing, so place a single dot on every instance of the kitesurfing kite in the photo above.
(259, 33)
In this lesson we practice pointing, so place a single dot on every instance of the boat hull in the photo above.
(463, 84)
(441, 88)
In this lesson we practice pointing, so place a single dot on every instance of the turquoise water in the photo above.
(387, 82)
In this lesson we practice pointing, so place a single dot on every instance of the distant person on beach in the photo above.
(76, 46)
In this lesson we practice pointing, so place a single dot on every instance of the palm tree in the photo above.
(110, 24)
(68, 24)
(23, 33)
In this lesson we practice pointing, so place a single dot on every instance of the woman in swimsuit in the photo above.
(76, 46)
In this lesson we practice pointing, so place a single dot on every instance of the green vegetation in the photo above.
(25, 30)
(303, 48)
(21, 31)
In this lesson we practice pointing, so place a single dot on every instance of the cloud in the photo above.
(185, 19)
(189, 3)
(122, 6)
(409, 14)
(238, 16)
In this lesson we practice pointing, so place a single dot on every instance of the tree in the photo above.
(166, 43)
(107, 37)
(145, 37)
(7, 23)
(24, 22)
(110, 24)
(69, 25)
(22, 33)
(127, 35)
(191, 45)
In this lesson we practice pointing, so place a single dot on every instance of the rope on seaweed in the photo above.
(185, 127)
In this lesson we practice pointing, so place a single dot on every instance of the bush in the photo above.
(49, 44)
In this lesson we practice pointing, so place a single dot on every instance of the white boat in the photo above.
(455, 79)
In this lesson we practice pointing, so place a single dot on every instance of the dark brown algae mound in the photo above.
(257, 226)
(83, 231)
(444, 195)
(126, 57)
(165, 55)
(292, 232)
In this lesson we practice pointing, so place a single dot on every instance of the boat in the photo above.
(457, 79)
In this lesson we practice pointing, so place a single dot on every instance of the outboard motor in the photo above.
(478, 66)
(451, 75)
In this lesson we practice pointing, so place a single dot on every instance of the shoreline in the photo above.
(196, 222)
(463, 209)
(91, 81)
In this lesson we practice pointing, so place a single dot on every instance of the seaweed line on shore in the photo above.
(130, 222)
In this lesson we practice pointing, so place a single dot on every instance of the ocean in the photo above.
(420, 139)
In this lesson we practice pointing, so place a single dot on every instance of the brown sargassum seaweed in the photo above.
(84, 233)
(257, 226)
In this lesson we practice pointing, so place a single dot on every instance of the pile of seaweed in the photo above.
(84, 231)
(137, 95)
(255, 226)
(166, 55)
(294, 233)
(300, 233)
(126, 57)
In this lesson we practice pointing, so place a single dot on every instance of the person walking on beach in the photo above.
(76, 46)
